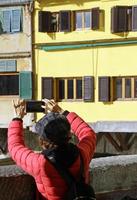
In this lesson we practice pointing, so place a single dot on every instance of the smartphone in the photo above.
(34, 106)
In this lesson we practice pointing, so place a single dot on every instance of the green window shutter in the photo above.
(6, 21)
(16, 20)
(89, 88)
(1, 22)
(8, 65)
(2, 65)
(11, 65)
(25, 84)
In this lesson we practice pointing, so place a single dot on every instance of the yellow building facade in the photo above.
(85, 58)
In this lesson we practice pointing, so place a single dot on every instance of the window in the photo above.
(10, 20)
(88, 19)
(53, 22)
(8, 65)
(9, 84)
(123, 19)
(76, 88)
(62, 20)
(126, 87)
(16, 84)
(69, 88)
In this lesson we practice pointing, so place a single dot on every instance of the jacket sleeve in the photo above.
(85, 135)
(23, 156)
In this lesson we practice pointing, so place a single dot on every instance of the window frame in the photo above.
(11, 30)
(132, 87)
(83, 19)
(66, 79)
(10, 74)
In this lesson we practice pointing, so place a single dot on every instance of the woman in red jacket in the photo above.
(54, 131)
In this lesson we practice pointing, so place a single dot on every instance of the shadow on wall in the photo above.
(62, 2)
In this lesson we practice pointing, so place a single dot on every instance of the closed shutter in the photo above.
(47, 88)
(2, 65)
(16, 20)
(104, 89)
(44, 21)
(8, 65)
(89, 88)
(25, 85)
(95, 18)
(6, 21)
(134, 18)
(11, 65)
(65, 21)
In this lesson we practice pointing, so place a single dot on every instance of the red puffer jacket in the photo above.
(49, 182)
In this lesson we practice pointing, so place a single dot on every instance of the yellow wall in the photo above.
(99, 61)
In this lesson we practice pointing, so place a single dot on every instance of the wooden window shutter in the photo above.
(16, 20)
(1, 21)
(104, 89)
(89, 88)
(6, 21)
(65, 21)
(44, 21)
(134, 18)
(47, 88)
(25, 84)
(119, 19)
(122, 19)
(114, 21)
(95, 18)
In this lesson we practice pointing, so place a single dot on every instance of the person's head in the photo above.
(53, 129)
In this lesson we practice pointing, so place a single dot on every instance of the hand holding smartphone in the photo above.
(34, 106)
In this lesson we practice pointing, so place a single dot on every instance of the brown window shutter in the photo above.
(95, 18)
(65, 21)
(44, 21)
(104, 88)
(47, 88)
(122, 19)
(114, 21)
(134, 18)
(89, 88)
(119, 19)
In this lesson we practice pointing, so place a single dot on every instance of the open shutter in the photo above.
(47, 88)
(89, 88)
(95, 18)
(6, 21)
(1, 21)
(25, 84)
(65, 21)
(114, 20)
(104, 89)
(119, 19)
(134, 18)
(44, 21)
(16, 20)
